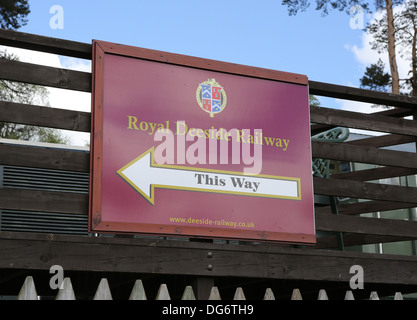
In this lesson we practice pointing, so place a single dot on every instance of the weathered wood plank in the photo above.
(36, 251)
(45, 201)
(375, 174)
(369, 226)
(63, 202)
(372, 122)
(45, 76)
(383, 141)
(45, 44)
(43, 157)
(367, 206)
(346, 152)
(330, 241)
(200, 63)
(395, 112)
(45, 116)
(356, 94)
(319, 128)
(84, 50)
(364, 190)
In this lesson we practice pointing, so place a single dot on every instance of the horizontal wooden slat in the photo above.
(372, 122)
(395, 112)
(347, 152)
(45, 116)
(319, 128)
(45, 76)
(44, 201)
(375, 174)
(200, 63)
(371, 226)
(383, 141)
(356, 239)
(356, 94)
(373, 206)
(365, 190)
(43, 157)
(45, 44)
(37, 251)
(83, 50)
(367, 207)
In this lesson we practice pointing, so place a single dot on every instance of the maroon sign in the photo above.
(199, 148)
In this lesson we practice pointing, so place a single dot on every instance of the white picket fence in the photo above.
(103, 292)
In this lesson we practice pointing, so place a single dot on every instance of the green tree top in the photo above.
(376, 78)
(13, 13)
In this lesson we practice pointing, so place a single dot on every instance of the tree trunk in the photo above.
(391, 49)
(414, 62)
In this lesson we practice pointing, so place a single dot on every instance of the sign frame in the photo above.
(96, 222)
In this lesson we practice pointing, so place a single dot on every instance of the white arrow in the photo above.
(145, 175)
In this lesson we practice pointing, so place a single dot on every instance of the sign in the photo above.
(184, 146)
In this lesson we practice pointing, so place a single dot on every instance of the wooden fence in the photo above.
(103, 292)
(37, 251)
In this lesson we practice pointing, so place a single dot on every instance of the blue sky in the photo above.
(257, 33)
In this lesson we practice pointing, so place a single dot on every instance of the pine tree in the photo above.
(13, 13)
(376, 78)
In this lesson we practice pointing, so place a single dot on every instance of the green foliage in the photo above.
(13, 13)
(26, 94)
(376, 78)
(314, 101)
(405, 32)
(323, 5)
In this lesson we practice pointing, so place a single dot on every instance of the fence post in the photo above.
(103, 291)
(67, 292)
(163, 293)
(214, 294)
(239, 294)
(202, 286)
(398, 296)
(188, 294)
(322, 295)
(374, 296)
(269, 295)
(296, 295)
(349, 295)
(28, 290)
